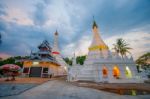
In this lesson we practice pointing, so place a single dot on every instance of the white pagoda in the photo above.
(102, 65)
(57, 55)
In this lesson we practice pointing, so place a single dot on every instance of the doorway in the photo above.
(105, 72)
(35, 72)
(116, 72)
(128, 72)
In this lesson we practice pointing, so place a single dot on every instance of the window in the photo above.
(116, 72)
(35, 63)
(45, 70)
(26, 70)
(128, 72)
(105, 72)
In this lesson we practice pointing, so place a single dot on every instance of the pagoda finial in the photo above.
(74, 60)
(94, 23)
(74, 54)
(93, 18)
(56, 33)
(31, 53)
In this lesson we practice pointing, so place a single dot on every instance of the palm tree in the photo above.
(121, 47)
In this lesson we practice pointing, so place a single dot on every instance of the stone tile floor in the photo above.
(14, 89)
(21, 80)
(9, 88)
(60, 89)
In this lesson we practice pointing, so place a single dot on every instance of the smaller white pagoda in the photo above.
(57, 55)
(102, 65)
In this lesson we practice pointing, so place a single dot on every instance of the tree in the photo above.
(143, 60)
(68, 61)
(11, 60)
(80, 59)
(121, 47)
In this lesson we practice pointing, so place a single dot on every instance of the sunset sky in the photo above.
(24, 24)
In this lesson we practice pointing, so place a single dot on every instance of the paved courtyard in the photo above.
(26, 80)
(59, 89)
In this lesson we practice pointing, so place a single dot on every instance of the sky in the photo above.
(24, 24)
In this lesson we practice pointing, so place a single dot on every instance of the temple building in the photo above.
(102, 65)
(42, 63)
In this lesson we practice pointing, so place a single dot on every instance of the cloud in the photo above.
(39, 15)
(2, 10)
(62, 15)
(4, 55)
(79, 47)
(19, 40)
(25, 24)
(17, 16)
(138, 40)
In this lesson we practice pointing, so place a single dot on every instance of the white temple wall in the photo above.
(133, 69)
(50, 71)
(122, 68)
(94, 72)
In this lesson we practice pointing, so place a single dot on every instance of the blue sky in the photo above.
(24, 24)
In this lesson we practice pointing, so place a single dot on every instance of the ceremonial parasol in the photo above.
(10, 70)
(10, 67)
